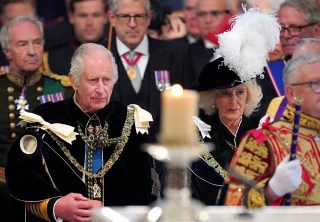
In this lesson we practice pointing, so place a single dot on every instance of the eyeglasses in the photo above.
(295, 30)
(314, 85)
(125, 18)
(213, 13)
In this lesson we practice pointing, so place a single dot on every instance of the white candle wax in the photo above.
(178, 107)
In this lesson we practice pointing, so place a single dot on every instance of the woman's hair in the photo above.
(254, 92)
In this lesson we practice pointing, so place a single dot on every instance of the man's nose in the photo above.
(31, 49)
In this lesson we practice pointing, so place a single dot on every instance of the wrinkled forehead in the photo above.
(288, 15)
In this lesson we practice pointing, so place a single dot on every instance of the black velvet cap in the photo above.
(216, 75)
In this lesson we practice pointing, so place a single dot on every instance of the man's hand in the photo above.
(286, 179)
(74, 208)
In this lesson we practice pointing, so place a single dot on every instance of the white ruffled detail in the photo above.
(246, 46)
(63, 131)
(141, 119)
(264, 119)
(202, 126)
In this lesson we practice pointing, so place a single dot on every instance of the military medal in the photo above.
(21, 102)
(132, 74)
(162, 78)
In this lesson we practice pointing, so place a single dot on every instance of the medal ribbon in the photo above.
(134, 62)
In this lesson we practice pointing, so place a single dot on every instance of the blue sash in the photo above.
(275, 72)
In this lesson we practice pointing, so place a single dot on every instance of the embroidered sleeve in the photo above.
(250, 168)
(42, 209)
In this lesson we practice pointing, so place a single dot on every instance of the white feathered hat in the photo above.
(246, 46)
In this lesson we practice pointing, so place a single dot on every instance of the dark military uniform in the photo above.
(56, 168)
(11, 102)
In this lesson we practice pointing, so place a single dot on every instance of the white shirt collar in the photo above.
(208, 44)
(142, 48)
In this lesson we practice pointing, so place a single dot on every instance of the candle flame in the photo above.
(176, 90)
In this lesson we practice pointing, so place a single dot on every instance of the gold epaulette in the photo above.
(274, 106)
(46, 71)
(2, 72)
(4, 69)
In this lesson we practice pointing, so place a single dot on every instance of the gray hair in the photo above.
(308, 7)
(303, 41)
(87, 50)
(114, 5)
(207, 102)
(6, 29)
(291, 70)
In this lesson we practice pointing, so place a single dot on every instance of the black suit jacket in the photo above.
(200, 55)
(61, 44)
(164, 55)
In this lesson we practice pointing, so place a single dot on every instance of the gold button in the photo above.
(12, 107)
(10, 98)
(12, 125)
(12, 116)
(10, 89)
(39, 88)
(13, 135)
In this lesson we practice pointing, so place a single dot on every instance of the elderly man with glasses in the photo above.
(145, 65)
(298, 19)
(262, 160)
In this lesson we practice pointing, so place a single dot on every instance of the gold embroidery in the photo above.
(209, 158)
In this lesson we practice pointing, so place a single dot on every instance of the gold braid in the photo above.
(210, 159)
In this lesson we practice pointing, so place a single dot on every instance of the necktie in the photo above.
(133, 70)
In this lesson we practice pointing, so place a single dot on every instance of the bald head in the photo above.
(307, 45)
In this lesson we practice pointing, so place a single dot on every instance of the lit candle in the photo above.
(178, 107)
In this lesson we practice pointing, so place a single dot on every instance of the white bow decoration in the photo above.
(63, 131)
(141, 119)
(202, 126)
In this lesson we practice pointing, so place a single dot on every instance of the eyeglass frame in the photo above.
(214, 13)
(128, 17)
(300, 27)
(311, 84)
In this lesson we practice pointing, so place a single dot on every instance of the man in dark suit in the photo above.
(213, 18)
(87, 23)
(171, 61)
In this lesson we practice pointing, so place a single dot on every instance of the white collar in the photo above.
(142, 48)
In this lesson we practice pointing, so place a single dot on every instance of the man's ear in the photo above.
(111, 18)
(288, 90)
(71, 16)
(75, 86)
(7, 54)
(316, 30)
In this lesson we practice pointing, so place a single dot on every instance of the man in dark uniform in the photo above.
(93, 159)
(24, 86)
(87, 23)
(10, 9)
(156, 63)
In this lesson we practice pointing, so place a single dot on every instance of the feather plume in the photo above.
(245, 47)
